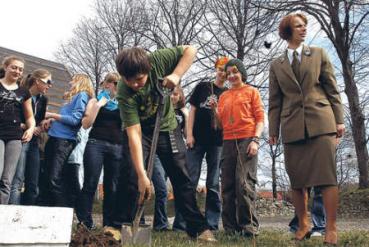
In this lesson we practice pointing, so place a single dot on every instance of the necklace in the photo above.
(234, 94)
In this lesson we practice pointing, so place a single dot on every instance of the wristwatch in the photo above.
(256, 139)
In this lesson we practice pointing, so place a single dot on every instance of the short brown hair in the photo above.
(285, 26)
(132, 61)
(9, 59)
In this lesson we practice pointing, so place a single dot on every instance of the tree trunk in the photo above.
(274, 175)
(97, 82)
(358, 125)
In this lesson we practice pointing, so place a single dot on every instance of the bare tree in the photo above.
(124, 23)
(96, 42)
(346, 23)
(272, 169)
(347, 172)
(85, 52)
(346, 162)
(241, 29)
(175, 22)
(275, 152)
(274, 156)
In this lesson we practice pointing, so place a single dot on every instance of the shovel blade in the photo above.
(140, 237)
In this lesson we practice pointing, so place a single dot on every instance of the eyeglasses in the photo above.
(49, 82)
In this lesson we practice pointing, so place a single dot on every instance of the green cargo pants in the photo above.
(238, 187)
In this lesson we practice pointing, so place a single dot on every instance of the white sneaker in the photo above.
(316, 234)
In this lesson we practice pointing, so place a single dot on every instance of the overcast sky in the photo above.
(37, 27)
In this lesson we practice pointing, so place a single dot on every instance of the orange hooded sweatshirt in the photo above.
(239, 110)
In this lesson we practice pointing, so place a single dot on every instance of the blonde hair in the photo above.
(182, 99)
(82, 83)
(37, 74)
(112, 77)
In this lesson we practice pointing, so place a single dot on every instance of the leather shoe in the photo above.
(207, 236)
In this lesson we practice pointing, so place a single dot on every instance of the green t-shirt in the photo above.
(141, 106)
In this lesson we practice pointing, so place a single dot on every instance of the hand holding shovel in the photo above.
(144, 188)
(136, 233)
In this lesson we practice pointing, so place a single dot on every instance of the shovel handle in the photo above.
(163, 91)
(139, 212)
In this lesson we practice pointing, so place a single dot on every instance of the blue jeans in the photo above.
(73, 188)
(32, 174)
(127, 190)
(28, 171)
(99, 154)
(17, 184)
(194, 160)
(161, 194)
(9, 156)
(175, 167)
(317, 213)
(57, 151)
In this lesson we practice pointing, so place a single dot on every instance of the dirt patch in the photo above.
(86, 238)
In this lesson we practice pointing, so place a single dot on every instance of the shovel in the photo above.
(136, 233)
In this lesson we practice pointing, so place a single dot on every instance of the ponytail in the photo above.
(2, 72)
(27, 81)
(31, 79)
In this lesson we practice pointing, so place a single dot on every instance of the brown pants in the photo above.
(238, 187)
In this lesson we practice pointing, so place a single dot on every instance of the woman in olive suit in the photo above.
(305, 107)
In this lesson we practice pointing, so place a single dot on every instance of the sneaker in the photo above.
(247, 234)
(114, 232)
(207, 236)
(165, 229)
(250, 231)
(90, 228)
(316, 234)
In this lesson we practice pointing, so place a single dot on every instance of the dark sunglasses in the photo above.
(49, 82)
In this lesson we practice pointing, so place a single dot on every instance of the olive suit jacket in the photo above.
(313, 103)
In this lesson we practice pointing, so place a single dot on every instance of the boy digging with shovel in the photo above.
(138, 102)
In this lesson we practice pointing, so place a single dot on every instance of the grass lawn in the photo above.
(266, 238)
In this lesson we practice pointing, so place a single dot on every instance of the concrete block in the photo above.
(22, 226)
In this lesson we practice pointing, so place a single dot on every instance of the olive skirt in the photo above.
(311, 162)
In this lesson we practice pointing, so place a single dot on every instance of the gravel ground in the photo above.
(281, 223)
(343, 224)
